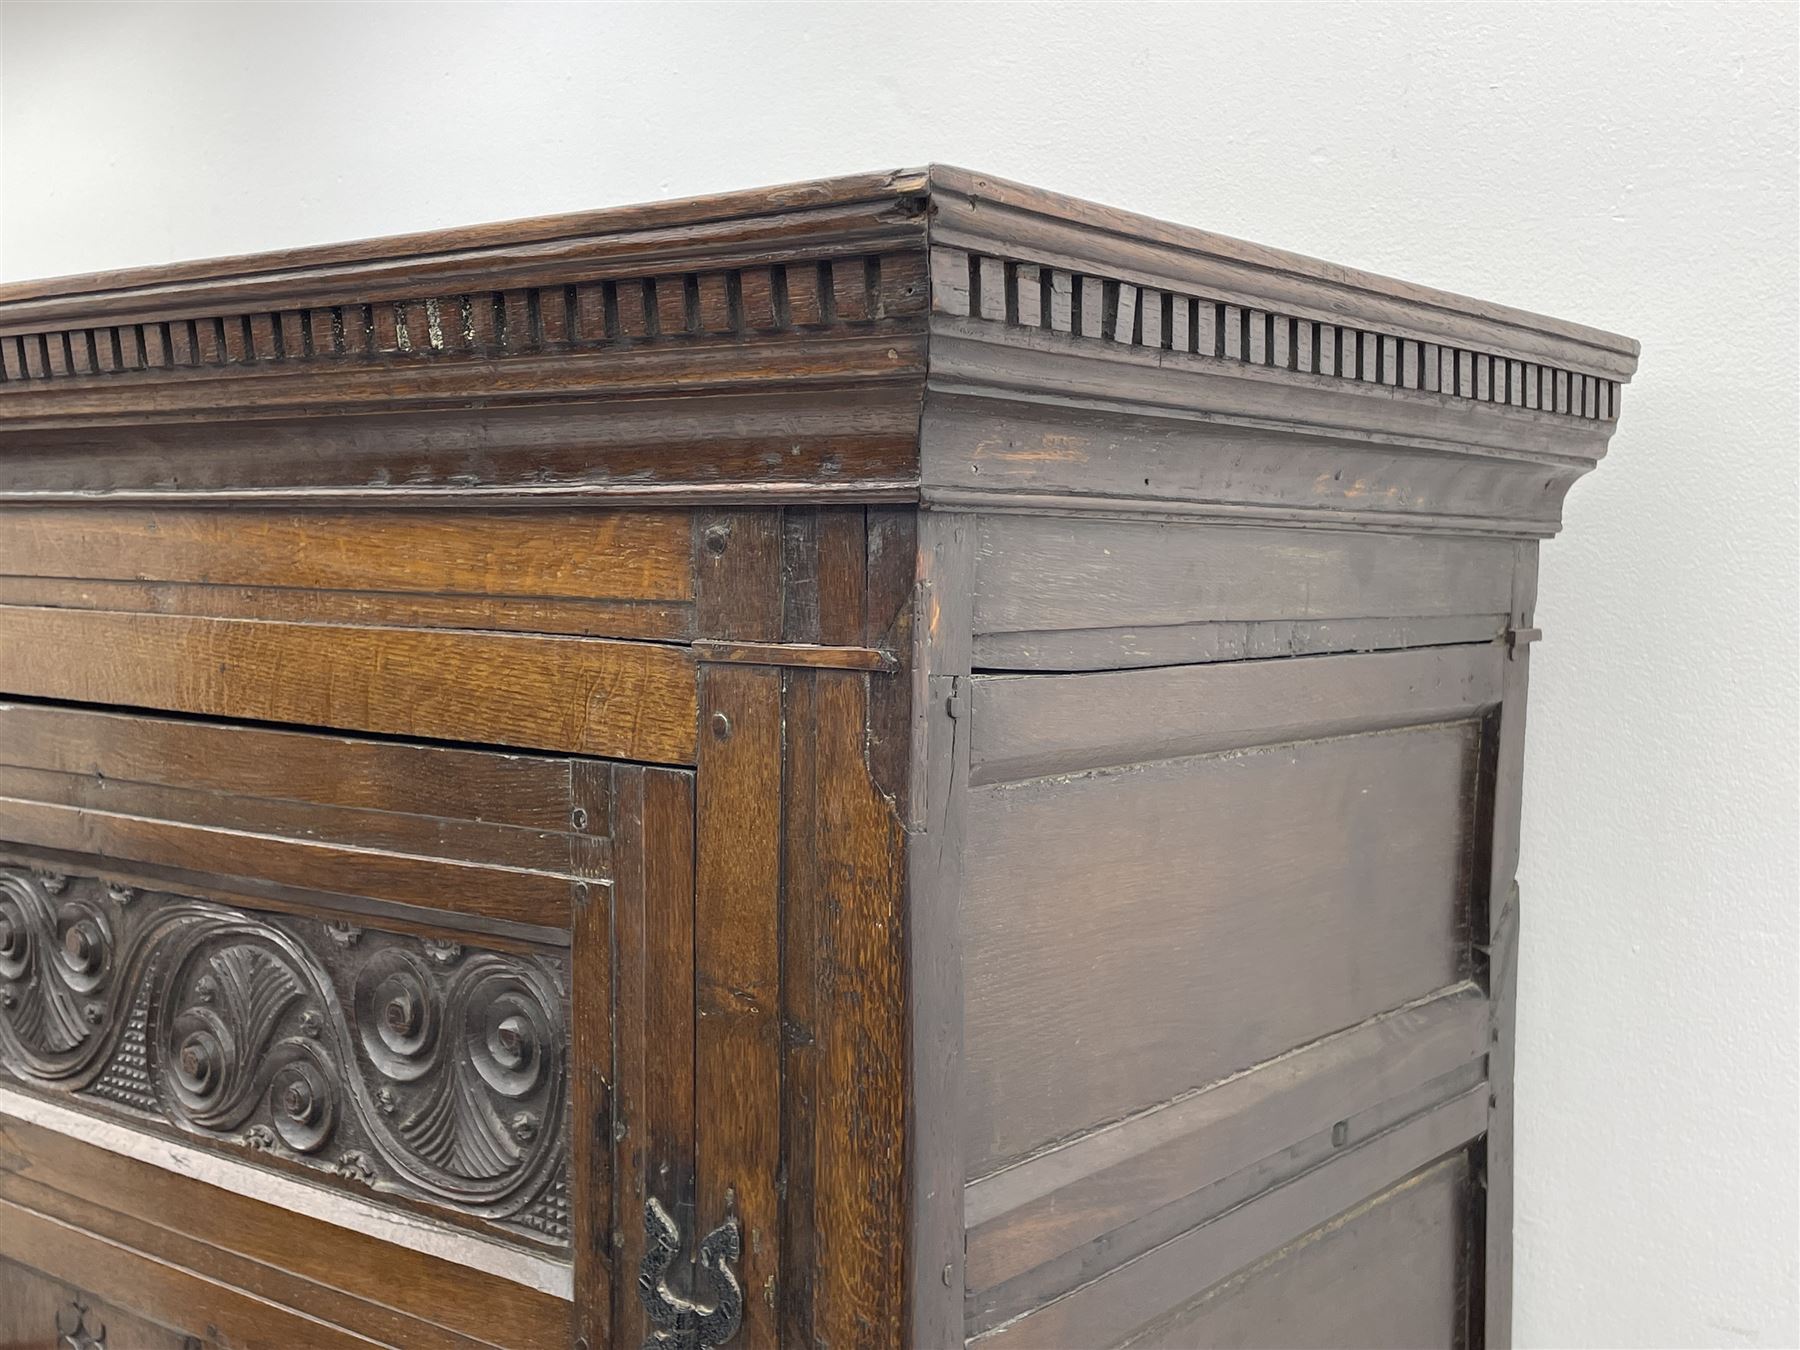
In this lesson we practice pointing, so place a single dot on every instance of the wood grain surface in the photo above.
(592, 555)
(1390, 1272)
(91, 1217)
(584, 696)
(1031, 726)
(459, 833)
(653, 1111)
(1131, 934)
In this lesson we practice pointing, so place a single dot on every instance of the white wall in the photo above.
(1631, 167)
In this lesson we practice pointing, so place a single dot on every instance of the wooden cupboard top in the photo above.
(841, 210)
(847, 206)
(793, 343)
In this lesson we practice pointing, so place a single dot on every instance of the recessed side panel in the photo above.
(1392, 1272)
(1135, 933)
(1071, 594)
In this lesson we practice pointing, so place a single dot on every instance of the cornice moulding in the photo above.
(914, 289)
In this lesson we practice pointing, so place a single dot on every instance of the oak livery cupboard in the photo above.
(887, 762)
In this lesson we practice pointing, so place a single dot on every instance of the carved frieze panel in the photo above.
(403, 1066)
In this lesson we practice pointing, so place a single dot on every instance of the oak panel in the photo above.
(1025, 726)
(1388, 1273)
(527, 792)
(373, 830)
(1129, 1300)
(1134, 933)
(162, 1292)
(1089, 1189)
(582, 695)
(592, 555)
(1037, 573)
(455, 831)
(444, 886)
(514, 614)
(37, 1312)
(265, 1284)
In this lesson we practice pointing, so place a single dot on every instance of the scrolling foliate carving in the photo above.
(407, 1066)
(56, 975)
(469, 1051)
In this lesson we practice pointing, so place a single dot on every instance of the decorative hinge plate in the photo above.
(677, 1322)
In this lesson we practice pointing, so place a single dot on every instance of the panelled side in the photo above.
(1224, 929)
